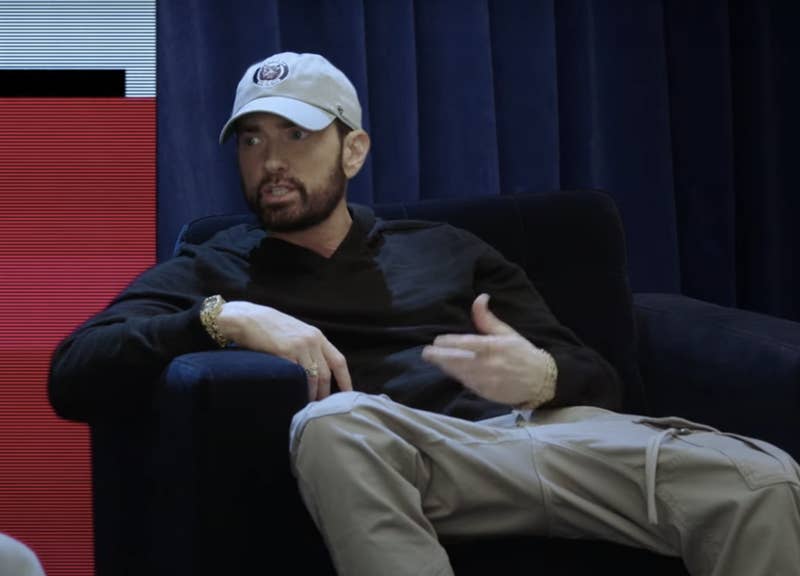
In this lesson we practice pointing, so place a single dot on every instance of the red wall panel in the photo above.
(77, 223)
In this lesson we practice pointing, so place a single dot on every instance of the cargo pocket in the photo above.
(759, 463)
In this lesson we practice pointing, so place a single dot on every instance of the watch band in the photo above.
(209, 312)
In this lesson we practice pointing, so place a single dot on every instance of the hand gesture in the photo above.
(498, 363)
(265, 329)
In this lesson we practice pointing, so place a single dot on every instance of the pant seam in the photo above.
(543, 491)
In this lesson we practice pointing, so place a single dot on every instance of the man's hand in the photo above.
(498, 364)
(265, 329)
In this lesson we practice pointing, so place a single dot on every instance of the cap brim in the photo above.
(304, 115)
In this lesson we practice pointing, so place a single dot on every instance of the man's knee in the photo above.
(322, 414)
(337, 414)
(345, 427)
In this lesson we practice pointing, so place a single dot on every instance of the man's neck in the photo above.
(325, 237)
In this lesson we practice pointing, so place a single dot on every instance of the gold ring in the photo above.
(313, 371)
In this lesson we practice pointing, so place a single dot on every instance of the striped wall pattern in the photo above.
(80, 34)
(77, 223)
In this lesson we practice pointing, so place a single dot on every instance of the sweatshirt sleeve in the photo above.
(127, 346)
(584, 376)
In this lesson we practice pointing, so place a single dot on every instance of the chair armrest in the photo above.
(730, 368)
(218, 402)
(166, 465)
(223, 450)
(223, 393)
(230, 367)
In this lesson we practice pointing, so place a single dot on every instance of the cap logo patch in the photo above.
(270, 74)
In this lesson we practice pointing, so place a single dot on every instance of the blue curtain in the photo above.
(682, 111)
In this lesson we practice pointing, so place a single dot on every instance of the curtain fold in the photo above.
(615, 132)
(392, 97)
(682, 111)
(702, 147)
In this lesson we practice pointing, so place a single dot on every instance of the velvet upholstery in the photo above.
(735, 370)
(193, 478)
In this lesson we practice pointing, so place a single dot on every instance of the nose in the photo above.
(274, 160)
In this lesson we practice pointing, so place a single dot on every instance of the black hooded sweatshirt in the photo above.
(388, 290)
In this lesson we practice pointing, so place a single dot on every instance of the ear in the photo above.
(354, 152)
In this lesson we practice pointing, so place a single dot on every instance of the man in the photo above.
(396, 317)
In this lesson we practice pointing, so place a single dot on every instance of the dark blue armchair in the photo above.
(202, 484)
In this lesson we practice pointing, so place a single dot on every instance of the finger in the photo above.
(474, 342)
(324, 375)
(306, 362)
(485, 321)
(453, 361)
(338, 366)
(449, 356)
(461, 365)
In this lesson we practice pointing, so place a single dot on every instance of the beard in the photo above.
(311, 209)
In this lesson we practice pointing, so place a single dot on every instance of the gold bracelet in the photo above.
(209, 312)
(546, 390)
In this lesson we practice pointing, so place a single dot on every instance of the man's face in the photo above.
(292, 178)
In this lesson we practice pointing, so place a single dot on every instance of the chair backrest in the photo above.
(570, 243)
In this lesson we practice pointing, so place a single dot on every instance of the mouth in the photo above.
(278, 191)
(275, 192)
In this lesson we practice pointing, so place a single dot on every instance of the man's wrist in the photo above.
(209, 312)
(542, 390)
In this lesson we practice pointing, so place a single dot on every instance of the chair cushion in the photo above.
(733, 369)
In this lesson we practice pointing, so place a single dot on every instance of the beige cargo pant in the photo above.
(382, 481)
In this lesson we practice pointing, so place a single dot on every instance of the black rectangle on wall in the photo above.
(62, 83)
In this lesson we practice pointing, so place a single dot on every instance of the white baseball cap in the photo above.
(303, 88)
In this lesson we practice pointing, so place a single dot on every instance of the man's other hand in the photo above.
(498, 363)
